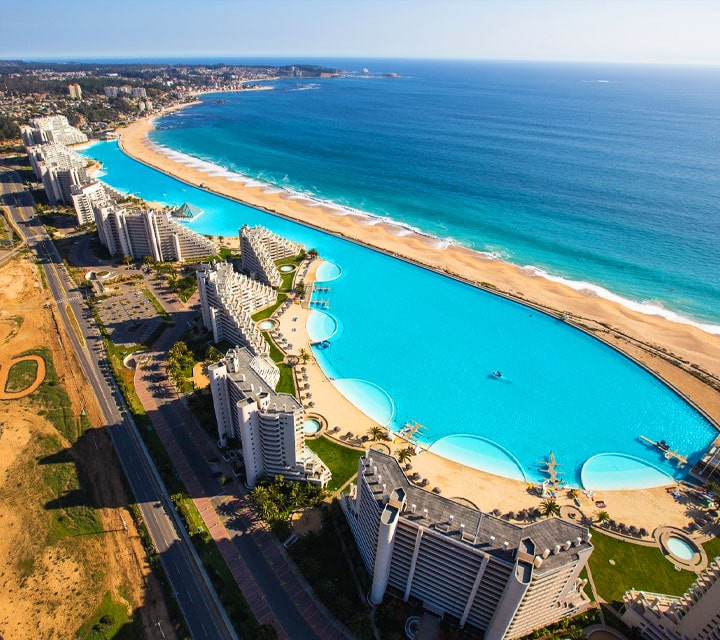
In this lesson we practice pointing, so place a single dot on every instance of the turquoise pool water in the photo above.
(311, 427)
(327, 271)
(617, 470)
(401, 354)
(321, 326)
(680, 548)
(266, 325)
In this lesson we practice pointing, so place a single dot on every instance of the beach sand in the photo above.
(681, 354)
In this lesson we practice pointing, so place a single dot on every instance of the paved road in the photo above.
(269, 582)
(205, 618)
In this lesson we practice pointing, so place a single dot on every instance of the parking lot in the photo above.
(127, 314)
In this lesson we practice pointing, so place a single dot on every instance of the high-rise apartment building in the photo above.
(88, 197)
(505, 579)
(259, 249)
(51, 129)
(144, 232)
(228, 299)
(269, 425)
(58, 168)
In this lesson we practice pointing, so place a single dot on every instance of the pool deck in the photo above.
(643, 508)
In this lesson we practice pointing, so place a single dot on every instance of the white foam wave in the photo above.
(402, 229)
(648, 307)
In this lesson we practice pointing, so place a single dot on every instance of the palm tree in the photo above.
(549, 508)
(304, 356)
(602, 516)
(362, 627)
(313, 253)
(127, 260)
(404, 455)
(376, 433)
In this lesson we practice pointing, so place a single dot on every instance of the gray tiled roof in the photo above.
(479, 527)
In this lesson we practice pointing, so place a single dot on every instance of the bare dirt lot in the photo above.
(69, 550)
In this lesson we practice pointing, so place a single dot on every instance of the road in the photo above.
(205, 617)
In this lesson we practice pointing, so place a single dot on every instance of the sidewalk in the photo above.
(318, 619)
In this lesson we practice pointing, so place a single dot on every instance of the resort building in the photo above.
(693, 616)
(259, 249)
(58, 168)
(51, 129)
(502, 578)
(145, 232)
(269, 425)
(88, 197)
(75, 91)
(228, 299)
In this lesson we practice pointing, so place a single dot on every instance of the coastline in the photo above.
(679, 353)
(667, 349)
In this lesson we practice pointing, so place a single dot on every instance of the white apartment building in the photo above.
(692, 616)
(502, 578)
(75, 91)
(111, 92)
(228, 299)
(86, 198)
(269, 425)
(58, 168)
(259, 249)
(138, 92)
(51, 129)
(144, 232)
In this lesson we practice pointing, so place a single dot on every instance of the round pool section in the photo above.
(287, 268)
(266, 325)
(614, 471)
(373, 401)
(311, 427)
(480, 453)
(680, 548)
(327, 271)
(321, 326)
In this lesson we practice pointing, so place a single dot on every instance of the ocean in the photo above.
(605, 177)
(407, 344)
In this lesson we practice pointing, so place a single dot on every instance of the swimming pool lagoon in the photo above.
(407, 344)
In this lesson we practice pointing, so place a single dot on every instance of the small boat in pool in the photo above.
(497, 374)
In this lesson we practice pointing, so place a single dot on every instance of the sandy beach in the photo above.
(685, 356)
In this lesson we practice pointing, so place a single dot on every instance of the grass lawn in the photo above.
(155, 303)
(110, 620)
(342, 461)
(712, 548)
(636, 567)
(21, 376)
(264, 314)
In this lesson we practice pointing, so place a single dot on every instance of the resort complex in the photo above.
(259, 249)
(51, 129)
(145, 232)
(269, 425)
(692, 616)
(227, 300)
(58, 168)
(501, 578)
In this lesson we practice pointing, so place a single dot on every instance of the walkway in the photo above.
(274, 590)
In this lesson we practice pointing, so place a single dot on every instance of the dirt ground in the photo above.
(49, 584)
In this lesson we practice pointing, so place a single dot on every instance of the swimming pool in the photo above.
(402, 355)
(311, 427)
(680, 548)
(266, 325)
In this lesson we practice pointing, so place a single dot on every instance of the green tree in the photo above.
(304, 356)
(362, 627)
(602, 516)
(404, 455)
(376, 433)
(127, 260)
(549, 508)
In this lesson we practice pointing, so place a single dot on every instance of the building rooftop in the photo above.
(552, 537)
(246, 373)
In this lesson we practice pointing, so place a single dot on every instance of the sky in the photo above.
(653, 31)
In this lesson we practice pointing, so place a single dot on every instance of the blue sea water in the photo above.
(605, 176)
(409, 344)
